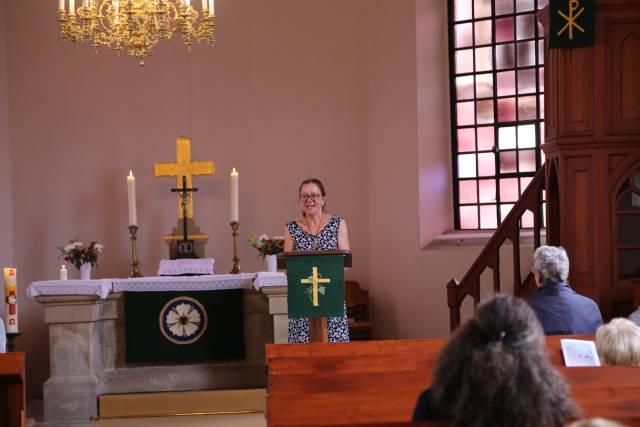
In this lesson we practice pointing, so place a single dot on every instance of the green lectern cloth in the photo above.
(329, 278)
(184, 326)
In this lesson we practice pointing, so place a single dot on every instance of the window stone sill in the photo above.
(476, 239)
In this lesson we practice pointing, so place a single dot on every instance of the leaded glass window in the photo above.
(497, 94)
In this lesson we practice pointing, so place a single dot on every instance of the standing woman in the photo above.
(316, 230)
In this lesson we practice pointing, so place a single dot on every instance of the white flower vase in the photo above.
(85, 271)
(271, 263)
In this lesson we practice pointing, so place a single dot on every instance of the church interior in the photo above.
(368, 96)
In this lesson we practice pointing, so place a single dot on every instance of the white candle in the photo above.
(72, 7)
(131, 190)
(234, 196)
(204, 5)
(85, 3)
(186, 2)
(63, 273)
(11, 292)
(60, 4)
(212, 7)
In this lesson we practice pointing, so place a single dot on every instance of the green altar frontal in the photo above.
(182, 327)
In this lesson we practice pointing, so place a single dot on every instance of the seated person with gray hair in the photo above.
(559, 308)
(618, 343)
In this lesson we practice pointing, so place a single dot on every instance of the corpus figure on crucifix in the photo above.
(186, 248)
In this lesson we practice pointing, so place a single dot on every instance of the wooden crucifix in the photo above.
(186, 247)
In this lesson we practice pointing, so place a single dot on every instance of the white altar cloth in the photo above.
(185, 283)
(100, 287)
(264, 278)
(103, 287)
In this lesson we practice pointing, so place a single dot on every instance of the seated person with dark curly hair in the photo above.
(495, 372)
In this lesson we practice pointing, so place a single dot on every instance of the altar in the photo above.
(87, 319)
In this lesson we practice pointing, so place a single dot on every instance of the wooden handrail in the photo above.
(531, 200)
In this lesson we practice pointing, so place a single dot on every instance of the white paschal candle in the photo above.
(234, 195)
(11, 293)
(131, 190)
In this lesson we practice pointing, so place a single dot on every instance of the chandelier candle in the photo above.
(11, 293)
(131, 192)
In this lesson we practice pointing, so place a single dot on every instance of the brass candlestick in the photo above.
(234, 233)
(135, 270)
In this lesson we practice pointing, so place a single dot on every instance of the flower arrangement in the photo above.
(77, 254)
(267, 245)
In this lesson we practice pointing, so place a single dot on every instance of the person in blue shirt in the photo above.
(559, 308)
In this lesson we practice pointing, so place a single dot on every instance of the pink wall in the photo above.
(6, 194)
(293, 88)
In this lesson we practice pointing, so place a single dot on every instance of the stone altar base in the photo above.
(86, 339)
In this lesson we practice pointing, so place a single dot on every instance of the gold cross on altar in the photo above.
(314, 280)
(184, 167)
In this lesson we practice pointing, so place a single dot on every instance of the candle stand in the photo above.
(11, 345)
(234, 233)
(135, 269)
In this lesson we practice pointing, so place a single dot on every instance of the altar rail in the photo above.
(379, 382)
(531, 200)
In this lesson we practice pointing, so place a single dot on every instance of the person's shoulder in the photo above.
(296, 221)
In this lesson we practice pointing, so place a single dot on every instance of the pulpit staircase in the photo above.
(489, 258)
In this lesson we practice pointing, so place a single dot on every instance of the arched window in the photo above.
(628, 228)
(497, 106)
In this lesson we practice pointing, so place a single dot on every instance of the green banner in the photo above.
(572, 23)
(316, 286)
(184, 326)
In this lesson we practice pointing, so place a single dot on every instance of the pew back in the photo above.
(12, 390)
(379, 381)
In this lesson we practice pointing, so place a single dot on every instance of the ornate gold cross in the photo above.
(184, 167)
(314, 280)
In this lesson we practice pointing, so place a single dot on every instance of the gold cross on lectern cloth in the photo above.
(184, 167)
(314, 280)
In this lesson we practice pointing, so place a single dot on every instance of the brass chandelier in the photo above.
(135, 25)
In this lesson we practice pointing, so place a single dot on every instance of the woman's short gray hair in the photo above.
(552, 263)
(618, 342)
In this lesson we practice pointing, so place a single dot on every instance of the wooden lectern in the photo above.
(317, 264)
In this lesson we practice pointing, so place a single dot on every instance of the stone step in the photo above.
(204, 402)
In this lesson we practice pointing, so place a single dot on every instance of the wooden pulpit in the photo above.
(592, 149)
(12, 390)
(315, 287)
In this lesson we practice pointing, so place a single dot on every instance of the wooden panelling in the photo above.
(577, 219)
(581, 259)
(576, 82)
(623, 80)
(614, 161)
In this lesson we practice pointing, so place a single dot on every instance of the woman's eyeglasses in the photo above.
(313, 196)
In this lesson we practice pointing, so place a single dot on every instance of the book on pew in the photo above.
(579, 353)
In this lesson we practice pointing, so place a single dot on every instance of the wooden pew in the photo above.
(12, 390)
(378, 382)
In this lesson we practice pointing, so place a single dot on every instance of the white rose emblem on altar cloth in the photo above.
(183, 320)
